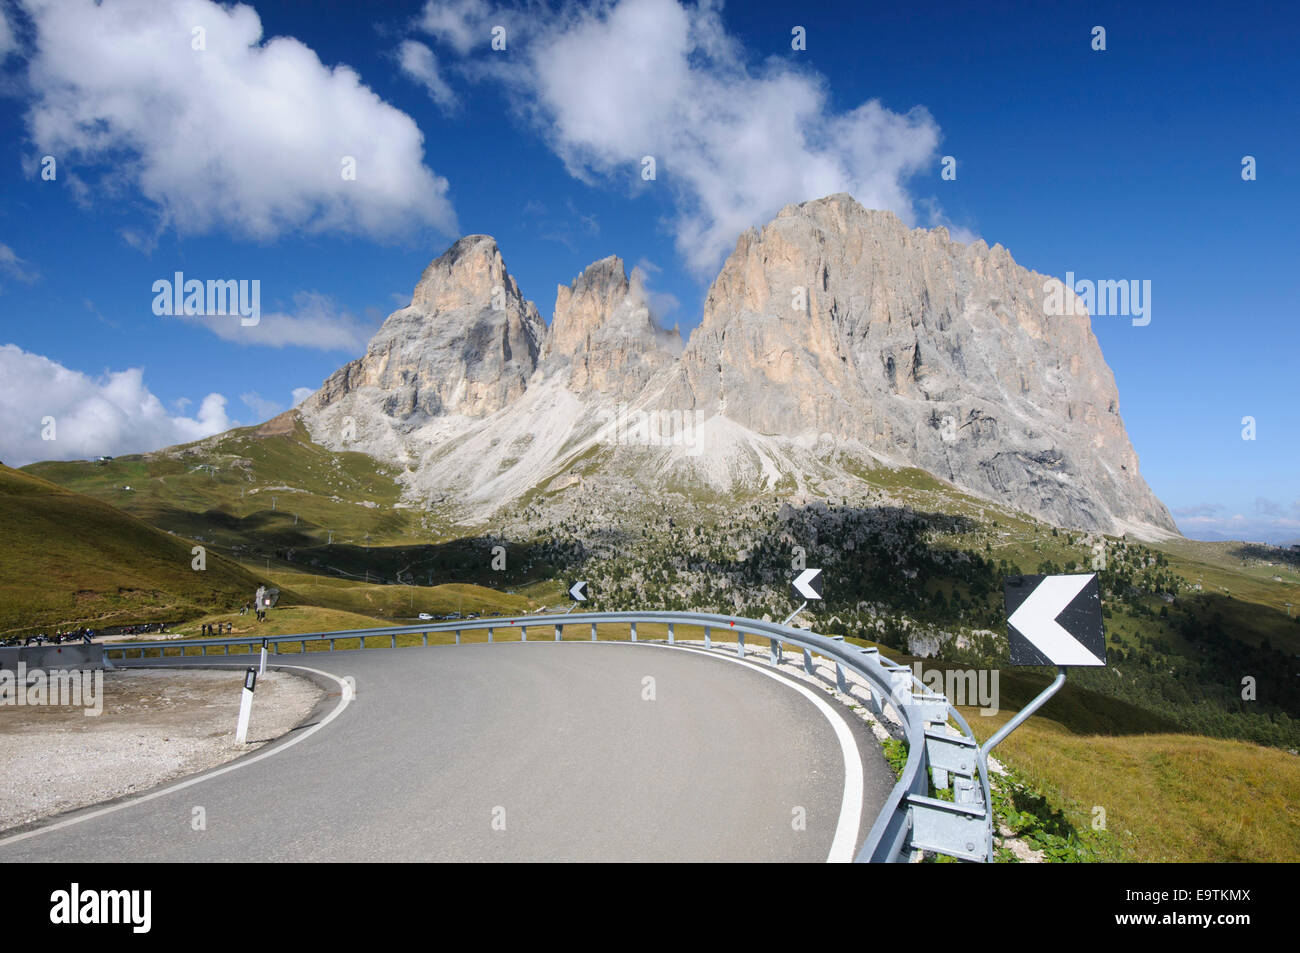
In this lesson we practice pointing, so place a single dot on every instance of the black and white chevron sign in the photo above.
(1055, 620)
(808, 584)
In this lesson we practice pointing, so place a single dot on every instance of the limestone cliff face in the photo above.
(838, 320)
(832, 326)
(467, 344)
(604, 333)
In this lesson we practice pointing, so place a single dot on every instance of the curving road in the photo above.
(553, 739)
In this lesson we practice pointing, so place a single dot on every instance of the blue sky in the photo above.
(1122, 163)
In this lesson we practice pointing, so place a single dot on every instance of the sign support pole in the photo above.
(790, 617)
(1023, 715)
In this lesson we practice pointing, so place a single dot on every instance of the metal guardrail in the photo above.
(911, 819)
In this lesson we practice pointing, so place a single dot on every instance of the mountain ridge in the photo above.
(832, 334)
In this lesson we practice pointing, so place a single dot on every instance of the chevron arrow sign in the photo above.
(808, 584)
(1055, 620)
(578, 592)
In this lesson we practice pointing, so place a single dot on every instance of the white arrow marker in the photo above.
(579, 592)
(1036, 620)
(803, 584)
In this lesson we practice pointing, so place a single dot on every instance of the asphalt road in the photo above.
(530, 751)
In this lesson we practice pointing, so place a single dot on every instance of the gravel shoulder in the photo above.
(156, 726)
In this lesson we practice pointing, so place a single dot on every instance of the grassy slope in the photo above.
(267, 499)
(282, 620)
(1166, 796)
(399, 603)
(67, 559)
(270, 488)
(275, 500)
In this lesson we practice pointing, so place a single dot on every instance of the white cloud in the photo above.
(302, 393)
(316, 323)
(662, 304)
(7, 42)
(112, 414)
(262, 408)
(734, 142)
(935, 216)
(245, 134)
(461, 24)
(12, 265)
(419, 63)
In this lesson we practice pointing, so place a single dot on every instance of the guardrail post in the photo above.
(424, 639)
(331, 645)
(593, 632)
(205, 650)
(458, 636)
(633, 631)
(807, 662)
(489, 633)
(774, 653)
(841, 682)
(740, 644)
(708, 636)
(671, 639)
(558, 627)
(952, 755)
(523, 633)
(303, 646)
(393, 643)
(362, 638)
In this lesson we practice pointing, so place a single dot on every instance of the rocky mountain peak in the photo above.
(835, 321)
(467, 344)
(586, 304)
(465, 275)
(604, 332)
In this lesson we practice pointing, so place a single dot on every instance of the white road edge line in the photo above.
(345, 693)
(846, 829)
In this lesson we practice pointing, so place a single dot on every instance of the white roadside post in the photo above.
(246, 705)
(261, 668)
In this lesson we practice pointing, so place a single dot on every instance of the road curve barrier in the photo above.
(942, 757)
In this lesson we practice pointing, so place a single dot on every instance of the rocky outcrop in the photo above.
(835, 319)
(833, 333)
(604, 334)
(467, 344)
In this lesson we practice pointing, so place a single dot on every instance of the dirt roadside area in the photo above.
(156, 725)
